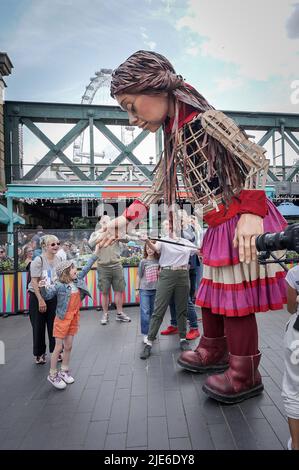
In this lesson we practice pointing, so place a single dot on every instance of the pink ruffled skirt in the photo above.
(232, 288)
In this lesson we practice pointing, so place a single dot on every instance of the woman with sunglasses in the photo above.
(27, 255)
(41, 312)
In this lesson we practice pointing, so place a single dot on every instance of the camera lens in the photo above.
(271, 242)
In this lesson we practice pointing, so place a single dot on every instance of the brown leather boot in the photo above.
(241, 381)
(210, 354)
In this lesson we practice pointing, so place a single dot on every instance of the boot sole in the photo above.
(144, 357)
(202, 369)
(232, 399)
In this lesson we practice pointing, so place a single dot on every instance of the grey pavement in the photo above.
(121, 402)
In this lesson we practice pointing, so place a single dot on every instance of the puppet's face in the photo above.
(146, 111)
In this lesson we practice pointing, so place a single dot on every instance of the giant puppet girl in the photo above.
(224, 172)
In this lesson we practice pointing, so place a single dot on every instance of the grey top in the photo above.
(41, 267)
(148, 273)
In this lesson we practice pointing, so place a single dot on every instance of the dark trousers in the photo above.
(39, 322)
(192, 277)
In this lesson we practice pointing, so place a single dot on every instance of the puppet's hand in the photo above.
(111, 233)
(248, 227)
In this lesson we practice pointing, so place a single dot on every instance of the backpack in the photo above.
(29, 272)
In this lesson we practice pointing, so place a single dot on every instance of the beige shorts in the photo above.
(111, 276)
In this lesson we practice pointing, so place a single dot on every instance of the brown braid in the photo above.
(149, 73)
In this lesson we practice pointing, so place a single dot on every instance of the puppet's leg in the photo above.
(242, 379)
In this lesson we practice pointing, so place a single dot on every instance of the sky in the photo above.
(239, 55)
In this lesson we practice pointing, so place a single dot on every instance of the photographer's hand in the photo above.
(248, 227)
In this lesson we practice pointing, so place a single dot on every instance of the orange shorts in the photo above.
(70, 324)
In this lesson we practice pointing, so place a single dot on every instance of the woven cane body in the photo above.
(199, 176)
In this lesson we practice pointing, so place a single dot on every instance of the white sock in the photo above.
(149, 343)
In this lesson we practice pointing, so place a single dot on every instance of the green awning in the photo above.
(4, 217)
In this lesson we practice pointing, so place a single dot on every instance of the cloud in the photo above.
(194, 51)
(228, 83)
(151, 44)
(250, 35)
(292, 24)
(169, 4)
(64, 29)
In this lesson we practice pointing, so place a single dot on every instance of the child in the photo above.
(146, 285)
(290, 385)
(70, 290)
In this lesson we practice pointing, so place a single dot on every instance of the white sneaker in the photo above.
(66, 377)
(56, 381)
(122, 317)
(290, 444)
(145, 339)
(105, 319)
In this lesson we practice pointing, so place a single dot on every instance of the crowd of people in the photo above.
(164, 280)
(29, 247)
(47, 272)
(168, 276)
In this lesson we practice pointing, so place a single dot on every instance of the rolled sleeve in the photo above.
(36, 267)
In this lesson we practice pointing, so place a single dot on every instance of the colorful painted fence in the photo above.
(7, 299)
(7, 290)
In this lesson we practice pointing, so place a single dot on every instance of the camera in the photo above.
(286, 240)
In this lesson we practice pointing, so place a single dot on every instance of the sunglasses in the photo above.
(55, 243)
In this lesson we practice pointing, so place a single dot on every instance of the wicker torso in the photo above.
(200, 178)
(199, 175)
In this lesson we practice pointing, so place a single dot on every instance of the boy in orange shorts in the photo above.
(70, 289)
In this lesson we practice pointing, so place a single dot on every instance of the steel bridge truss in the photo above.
(274, 126)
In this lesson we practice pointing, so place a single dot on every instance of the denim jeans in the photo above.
(147, 300)
(191, 313)
(199, 274)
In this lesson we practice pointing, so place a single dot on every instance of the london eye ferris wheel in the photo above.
(98, 92)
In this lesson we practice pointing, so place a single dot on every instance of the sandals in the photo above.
(40, 359)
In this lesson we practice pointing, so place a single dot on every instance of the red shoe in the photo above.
(193, 333)
(170, 330)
